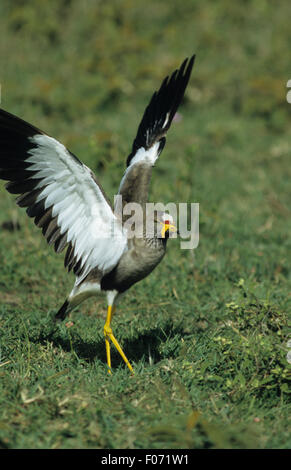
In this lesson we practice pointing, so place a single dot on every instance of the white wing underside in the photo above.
(78, 203)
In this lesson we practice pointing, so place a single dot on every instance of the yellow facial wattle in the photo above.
(167, 227)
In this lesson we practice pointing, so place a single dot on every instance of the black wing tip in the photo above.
(180, 82)
(9, 121)
(191, 60)
(178, 79)
(163, 103)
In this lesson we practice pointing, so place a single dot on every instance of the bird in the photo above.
(66, 200)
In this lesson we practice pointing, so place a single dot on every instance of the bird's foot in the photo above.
(109, 336)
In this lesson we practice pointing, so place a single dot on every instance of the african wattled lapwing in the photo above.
(68, 204)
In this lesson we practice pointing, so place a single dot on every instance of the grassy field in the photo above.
(207, 331)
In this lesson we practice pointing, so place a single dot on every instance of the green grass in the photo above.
(207, 331)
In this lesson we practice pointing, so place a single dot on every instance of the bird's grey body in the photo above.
(135, 264)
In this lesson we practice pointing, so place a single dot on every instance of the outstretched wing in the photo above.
(62, 195)
(150, 139)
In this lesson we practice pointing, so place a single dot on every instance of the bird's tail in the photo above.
(63, 312)
(79, 293)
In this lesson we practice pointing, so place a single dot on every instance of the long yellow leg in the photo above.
(107, 344)
(109, 336)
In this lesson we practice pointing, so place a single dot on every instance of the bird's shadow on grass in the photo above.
(146, 344)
